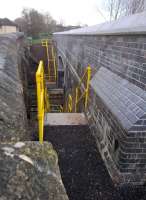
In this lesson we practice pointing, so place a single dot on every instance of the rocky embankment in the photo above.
(30, 171)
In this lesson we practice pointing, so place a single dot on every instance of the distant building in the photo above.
(60, 28)
(7, 26)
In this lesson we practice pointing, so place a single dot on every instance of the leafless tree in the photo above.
(50, 23)
(115, 8)
(118, 8)
(33, 23)
(134, 6)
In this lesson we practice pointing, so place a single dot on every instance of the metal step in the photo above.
(65, 119)
(51, 85)
(56, 91)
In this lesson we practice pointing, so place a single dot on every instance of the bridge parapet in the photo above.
(13, 123)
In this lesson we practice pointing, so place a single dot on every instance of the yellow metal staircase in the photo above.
(81, 93)
(52, 99)
(51, 76)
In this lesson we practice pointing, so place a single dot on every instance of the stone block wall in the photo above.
(117, 105)
(13, 121)
(124, 56)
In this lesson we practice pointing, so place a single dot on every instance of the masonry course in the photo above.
(117, 104)
(13, 123)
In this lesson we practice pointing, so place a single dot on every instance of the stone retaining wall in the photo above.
(13, 121)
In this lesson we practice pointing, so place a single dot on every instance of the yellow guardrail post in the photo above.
(47, 104)
(52, 73)
(76, 99)
(85, 93)
(54, 64)
(70, 103)
(56, 69)
(46, 45)
(87, 86)
(61, 108)
(40, 99)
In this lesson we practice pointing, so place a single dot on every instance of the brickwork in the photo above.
(125, 56)
(117, 107)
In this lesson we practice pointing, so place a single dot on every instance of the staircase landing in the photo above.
(65, 119)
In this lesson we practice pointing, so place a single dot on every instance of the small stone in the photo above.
(19, 144)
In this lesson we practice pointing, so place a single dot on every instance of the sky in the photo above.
(70, 12)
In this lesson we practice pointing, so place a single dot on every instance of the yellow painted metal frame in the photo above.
(58, 108)
(83, 88)
(40, 99)
(70, 103)
(43, 103)
(47, 103)
(45, 43)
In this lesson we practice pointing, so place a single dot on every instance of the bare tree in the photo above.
(50, 23)
(134, 6)
(34, 23)
(115, 8)
(118, 8)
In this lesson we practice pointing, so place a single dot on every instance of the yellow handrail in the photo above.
(52, 73)
(70, 103)
(54, 63)
(47, 103)
(58, 108)
(84, 88)
(40, 99)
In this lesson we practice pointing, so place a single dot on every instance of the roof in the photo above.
(6, 22)
(124, 99)
(130, 24)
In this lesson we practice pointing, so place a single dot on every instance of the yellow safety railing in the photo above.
(56, 108)
(52, 71)
(83, 86)
(81, 92)
(43, 103)
(41, 93)
(70, 103)
(47, 103)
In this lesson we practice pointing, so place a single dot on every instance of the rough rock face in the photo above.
(30, 171)
(12, 108)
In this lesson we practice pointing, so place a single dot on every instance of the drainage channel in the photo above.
(83, 172)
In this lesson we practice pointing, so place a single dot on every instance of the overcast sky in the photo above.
(72, 12)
